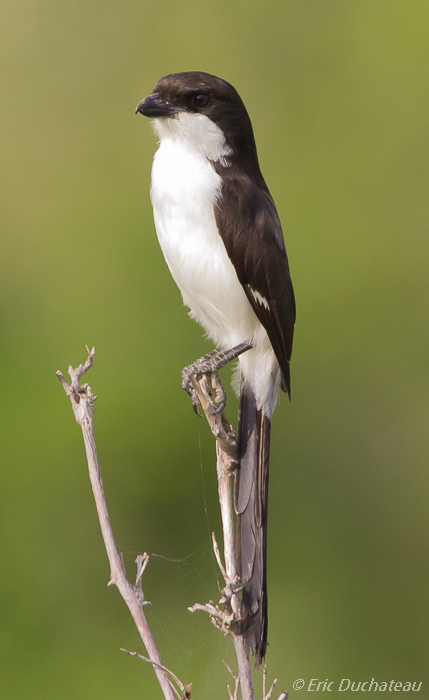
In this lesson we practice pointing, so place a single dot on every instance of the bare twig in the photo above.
(264, 684)
(185, 689)
(228, 620)
(234, 695)
(82, 400)
(267, 696)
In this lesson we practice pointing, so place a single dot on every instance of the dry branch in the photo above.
(82, 400)
(227, 619)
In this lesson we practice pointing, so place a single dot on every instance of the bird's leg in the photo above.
(211, 364)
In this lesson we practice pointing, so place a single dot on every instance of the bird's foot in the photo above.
(210, 365)
(213, 390)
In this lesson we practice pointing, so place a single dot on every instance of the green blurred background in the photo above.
(338, 95)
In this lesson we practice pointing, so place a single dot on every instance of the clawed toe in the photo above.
(209, 365)
(219, 394)
(214, 393)
(215, 409)
(195, 410)
(187, 375)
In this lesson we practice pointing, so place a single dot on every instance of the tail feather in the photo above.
(251, 504)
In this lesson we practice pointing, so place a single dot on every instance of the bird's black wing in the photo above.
(250, 228)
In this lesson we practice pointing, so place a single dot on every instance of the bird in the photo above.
(222, 240)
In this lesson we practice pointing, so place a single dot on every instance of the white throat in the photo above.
(196, 132)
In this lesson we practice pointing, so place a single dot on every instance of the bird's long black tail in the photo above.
(251, 504)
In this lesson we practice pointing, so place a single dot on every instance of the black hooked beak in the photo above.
(154, 106)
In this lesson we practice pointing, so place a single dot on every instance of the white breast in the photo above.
(184, 189)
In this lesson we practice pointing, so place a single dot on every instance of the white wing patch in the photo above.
(259, 298)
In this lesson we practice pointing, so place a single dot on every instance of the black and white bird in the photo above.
(222, 240)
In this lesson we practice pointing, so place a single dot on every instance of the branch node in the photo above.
(236, 677)
(142, 561)
(185, 689)
(81, 396)
(265, 695)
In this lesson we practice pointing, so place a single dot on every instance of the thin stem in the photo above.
(225, 465)
(82, 400)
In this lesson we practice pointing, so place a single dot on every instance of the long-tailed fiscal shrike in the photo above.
(222, 240)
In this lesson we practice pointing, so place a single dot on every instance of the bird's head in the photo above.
(201, 107)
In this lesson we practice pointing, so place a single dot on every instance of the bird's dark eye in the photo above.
(201, 100)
